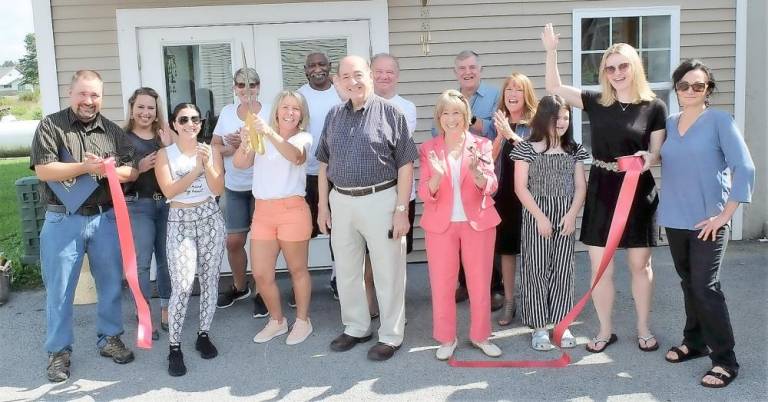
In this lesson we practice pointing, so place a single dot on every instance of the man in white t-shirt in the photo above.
(321, 96)
(237, 200)
(386, 76)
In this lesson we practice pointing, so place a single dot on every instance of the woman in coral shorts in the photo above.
(281, 219)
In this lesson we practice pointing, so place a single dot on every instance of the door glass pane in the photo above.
(656, 32)
(200, 74)
(594, 33)
(656, 65)
(293, 54)
(626, 30)
(590, 68)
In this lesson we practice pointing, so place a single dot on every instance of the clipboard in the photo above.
(73, 192)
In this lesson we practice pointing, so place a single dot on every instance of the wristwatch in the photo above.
(401, 208)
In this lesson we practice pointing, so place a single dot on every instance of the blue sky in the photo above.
(15, 23)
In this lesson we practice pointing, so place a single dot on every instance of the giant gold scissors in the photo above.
(255, 138)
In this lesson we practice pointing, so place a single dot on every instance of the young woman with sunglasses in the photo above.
(625, 118)
(147, 206)
(696, 217)
(190, 175)
(237, 202)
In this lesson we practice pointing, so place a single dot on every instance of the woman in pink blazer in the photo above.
(459, 221)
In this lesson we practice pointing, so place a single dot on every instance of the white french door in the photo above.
(196, 64)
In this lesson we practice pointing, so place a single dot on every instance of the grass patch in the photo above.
(25, 106)
(11, 169)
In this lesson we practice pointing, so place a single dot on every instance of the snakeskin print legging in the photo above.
(195, 245)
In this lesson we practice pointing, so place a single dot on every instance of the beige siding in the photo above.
(506, 33)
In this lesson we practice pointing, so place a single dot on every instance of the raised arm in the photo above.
(552, 81)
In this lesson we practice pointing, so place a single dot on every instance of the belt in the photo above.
(361, 191)
(154, 196)
(85, 210)
(611, 166)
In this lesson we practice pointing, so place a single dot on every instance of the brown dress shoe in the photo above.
(382, 351)
(345, 342)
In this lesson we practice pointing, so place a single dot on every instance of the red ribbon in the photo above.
(128, 252)
(633, 166)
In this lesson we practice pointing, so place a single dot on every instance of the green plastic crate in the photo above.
(32, 215)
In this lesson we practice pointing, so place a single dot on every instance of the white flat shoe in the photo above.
(488, 348)
(300, 331)
(444, 352)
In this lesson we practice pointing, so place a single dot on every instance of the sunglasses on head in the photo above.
(186, 119)
(683, 86)
(251, 85)
(623, 67)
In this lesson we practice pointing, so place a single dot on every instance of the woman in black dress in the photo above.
(626, 119)
(516, 108)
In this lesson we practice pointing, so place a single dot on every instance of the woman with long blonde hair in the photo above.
(626, 118)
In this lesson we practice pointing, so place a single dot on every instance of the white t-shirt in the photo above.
(236, 179)
(319, 103)
(274, 176)
(180, 165)
(409, 110)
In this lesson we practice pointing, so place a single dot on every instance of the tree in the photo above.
(8, 63)
(28, 64)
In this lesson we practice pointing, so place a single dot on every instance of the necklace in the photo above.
(624, 108)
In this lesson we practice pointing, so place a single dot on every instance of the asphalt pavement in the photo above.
(311, 371)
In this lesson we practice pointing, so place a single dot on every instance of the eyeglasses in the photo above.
(186, 119)
(683, 86)
(623, 67)
(251, 85)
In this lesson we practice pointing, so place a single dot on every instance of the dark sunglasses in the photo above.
(623, 67)
(251, 85)
(683, 86)
(186, 119)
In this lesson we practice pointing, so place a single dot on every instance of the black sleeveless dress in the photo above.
(620, 130)
(507, 204)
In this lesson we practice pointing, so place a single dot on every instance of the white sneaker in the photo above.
(271, 330)
(540, 340)
(488, 348)
(445, 351)
(300, 331)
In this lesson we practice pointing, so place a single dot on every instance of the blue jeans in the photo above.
(64, 240)
(149, 223)
(238, 210)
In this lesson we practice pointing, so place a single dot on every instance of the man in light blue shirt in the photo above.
(483, 98)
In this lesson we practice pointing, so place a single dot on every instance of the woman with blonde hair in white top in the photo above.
(281, 219)
(190, 174)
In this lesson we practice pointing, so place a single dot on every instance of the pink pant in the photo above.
(443, 261)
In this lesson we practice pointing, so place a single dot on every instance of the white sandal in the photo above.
(540, 341)
(567, 340)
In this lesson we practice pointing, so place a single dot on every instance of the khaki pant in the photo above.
(357, 222)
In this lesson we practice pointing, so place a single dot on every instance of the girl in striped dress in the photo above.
(550, 183)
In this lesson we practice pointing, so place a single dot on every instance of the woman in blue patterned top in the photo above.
(697, 201)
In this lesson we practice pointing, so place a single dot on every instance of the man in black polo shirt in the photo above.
(366, 151)
(67, 153)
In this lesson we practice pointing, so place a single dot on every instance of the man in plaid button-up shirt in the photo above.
(364, 149)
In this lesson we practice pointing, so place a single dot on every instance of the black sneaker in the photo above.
(205, 347)
(292, 299)
(334, 289)
(115, 348)
(231, 295)
(259, 308)
(176, 367)
(58, 366)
